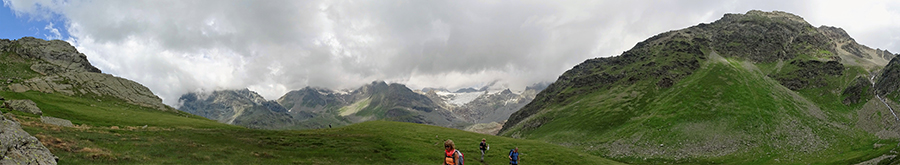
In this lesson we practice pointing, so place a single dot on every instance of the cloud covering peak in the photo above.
(272, 47)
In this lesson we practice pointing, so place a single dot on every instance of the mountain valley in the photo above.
(752, 88)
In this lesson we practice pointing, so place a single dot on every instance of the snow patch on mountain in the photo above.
(459, 99)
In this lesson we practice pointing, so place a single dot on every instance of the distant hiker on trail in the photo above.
(451, 156)
(484, 147)
(514, 156)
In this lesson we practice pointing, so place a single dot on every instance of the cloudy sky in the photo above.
(272, 47)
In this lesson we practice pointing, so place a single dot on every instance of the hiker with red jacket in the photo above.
(451, 155)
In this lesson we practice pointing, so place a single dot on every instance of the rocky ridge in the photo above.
(61, 68)
(889, 81)
(239, 107)
(312, 107)
(56, 52)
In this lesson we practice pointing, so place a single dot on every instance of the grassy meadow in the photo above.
(109, 131)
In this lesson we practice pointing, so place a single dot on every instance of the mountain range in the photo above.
(752, 88)
(312, 107)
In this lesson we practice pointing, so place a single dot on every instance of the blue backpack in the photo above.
(460, 161)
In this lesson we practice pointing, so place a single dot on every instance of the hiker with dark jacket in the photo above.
(514, 156)
(483, 146)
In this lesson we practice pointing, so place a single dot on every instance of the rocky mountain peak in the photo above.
(61, 68)
(835, 33)
(777, 15)
(240, 107)
(56, 52)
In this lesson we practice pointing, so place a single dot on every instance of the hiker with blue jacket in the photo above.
(514, 156)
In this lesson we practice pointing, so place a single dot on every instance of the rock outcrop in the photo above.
(56, 121)
(19, 147)
(72, 83)
(853, 53)
(889, 80)
(56, 52)
(24, 106)
(64, 70)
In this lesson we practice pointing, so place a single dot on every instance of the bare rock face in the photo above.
(65, 70)
(56, 121)
(889, 80)
(24, 106)
(56, 52)
(853, 53)
(19, 147)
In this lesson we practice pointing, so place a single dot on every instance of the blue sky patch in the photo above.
(13, 27)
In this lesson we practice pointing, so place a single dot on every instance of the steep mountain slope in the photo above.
(888, 84)
(239, 107)
(55, 66)
(763, 87)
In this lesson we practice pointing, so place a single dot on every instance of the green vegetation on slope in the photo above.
(777, 94)
(112, 131)
(724, 112)
(14, 69)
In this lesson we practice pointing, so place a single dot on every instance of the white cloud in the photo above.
(55, 32)
(271, 47)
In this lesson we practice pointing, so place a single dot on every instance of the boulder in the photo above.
(19, 147)
(56, 121)
(24, 106)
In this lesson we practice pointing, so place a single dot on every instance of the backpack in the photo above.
(458, 161)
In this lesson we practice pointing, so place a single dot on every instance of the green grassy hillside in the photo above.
(728, 111)
(757, 88)
(109, 131)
